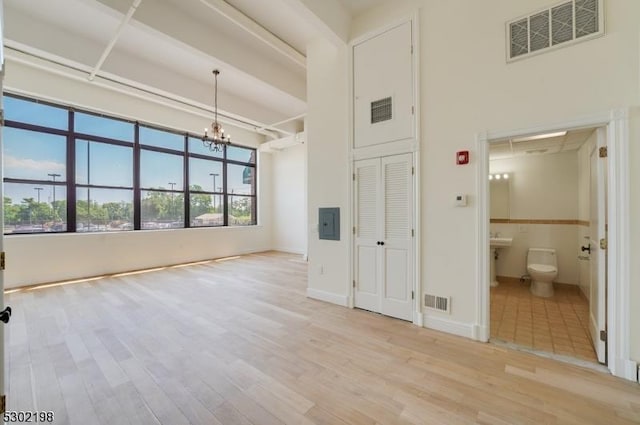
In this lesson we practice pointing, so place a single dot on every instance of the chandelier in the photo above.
(217, 139)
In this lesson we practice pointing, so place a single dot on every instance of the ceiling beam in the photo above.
(256, 30)
(67, 68)
(199, 35)
(114, 39)
(276, 124)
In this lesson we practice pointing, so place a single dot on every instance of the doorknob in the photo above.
(5, 315)
(586, 248)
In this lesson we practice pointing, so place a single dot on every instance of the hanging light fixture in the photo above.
(217, 139)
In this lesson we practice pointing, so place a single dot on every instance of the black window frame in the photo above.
(136, 151)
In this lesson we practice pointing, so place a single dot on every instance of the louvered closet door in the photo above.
(368, 228)
(383, 242)
(397, 218)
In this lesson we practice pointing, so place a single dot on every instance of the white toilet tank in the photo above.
(546, 256)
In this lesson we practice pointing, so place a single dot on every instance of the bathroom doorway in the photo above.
(547, 211)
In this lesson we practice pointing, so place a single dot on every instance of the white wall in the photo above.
(328, 168)
(512, 261)
(467, 88)
(541, 187)
(289, 216)
(33, 259)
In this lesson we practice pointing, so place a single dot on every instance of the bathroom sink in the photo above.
(500, 242)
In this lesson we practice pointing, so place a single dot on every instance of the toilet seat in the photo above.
(542, 268)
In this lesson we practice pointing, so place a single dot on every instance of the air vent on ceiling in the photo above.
(562, 24)
(434, 302)
(381, 110)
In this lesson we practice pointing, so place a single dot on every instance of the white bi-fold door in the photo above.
(383, 244)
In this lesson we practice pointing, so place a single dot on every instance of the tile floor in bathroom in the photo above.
(559, 324)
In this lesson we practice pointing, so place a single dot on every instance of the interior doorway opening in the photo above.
(547, 216)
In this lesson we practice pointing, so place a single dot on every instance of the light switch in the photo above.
(461, 200)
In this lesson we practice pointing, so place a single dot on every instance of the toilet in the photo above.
(542, 266)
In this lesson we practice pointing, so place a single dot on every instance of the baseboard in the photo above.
(631, 370)
(511, 280)
(625, 368)
(447, 325)
(417, 319)
(480, 333)
(289, 250)
(329, 297)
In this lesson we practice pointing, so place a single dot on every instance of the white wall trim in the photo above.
(482, 237)
(290, 250)
(387, 27)
(316, 294)
(618, 308)
(439, 323)
(385, 149)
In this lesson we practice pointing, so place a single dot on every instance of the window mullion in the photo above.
(71, 175)
(187, 189)
(225, 197)
(137, 203)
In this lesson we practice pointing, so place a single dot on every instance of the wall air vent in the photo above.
(381, 110)
(560, 25)
(434, 302)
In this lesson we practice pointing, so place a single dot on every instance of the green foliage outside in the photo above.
(156, 207)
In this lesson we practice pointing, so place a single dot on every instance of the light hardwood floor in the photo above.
(237, 342)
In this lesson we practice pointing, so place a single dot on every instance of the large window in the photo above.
(76, 171)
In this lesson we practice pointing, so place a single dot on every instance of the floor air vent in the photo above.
(434, 302)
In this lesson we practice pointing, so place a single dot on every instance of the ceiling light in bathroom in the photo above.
(490, 176)
(539, 137)
(505, 176)
(498, 176)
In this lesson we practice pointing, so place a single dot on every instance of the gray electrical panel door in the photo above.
(329, 223)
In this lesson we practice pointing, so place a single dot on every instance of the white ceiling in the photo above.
(358, 6)
(285, 24)
(172, 46)
(572, 141)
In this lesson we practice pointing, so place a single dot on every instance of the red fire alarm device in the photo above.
(462, 157)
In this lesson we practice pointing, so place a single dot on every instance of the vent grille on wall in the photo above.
(381, 110)
(564, 23)
(434, 302)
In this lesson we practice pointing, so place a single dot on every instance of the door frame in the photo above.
(616, 122)
(3, 372)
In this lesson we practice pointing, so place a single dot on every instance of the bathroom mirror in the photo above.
(499, 198)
